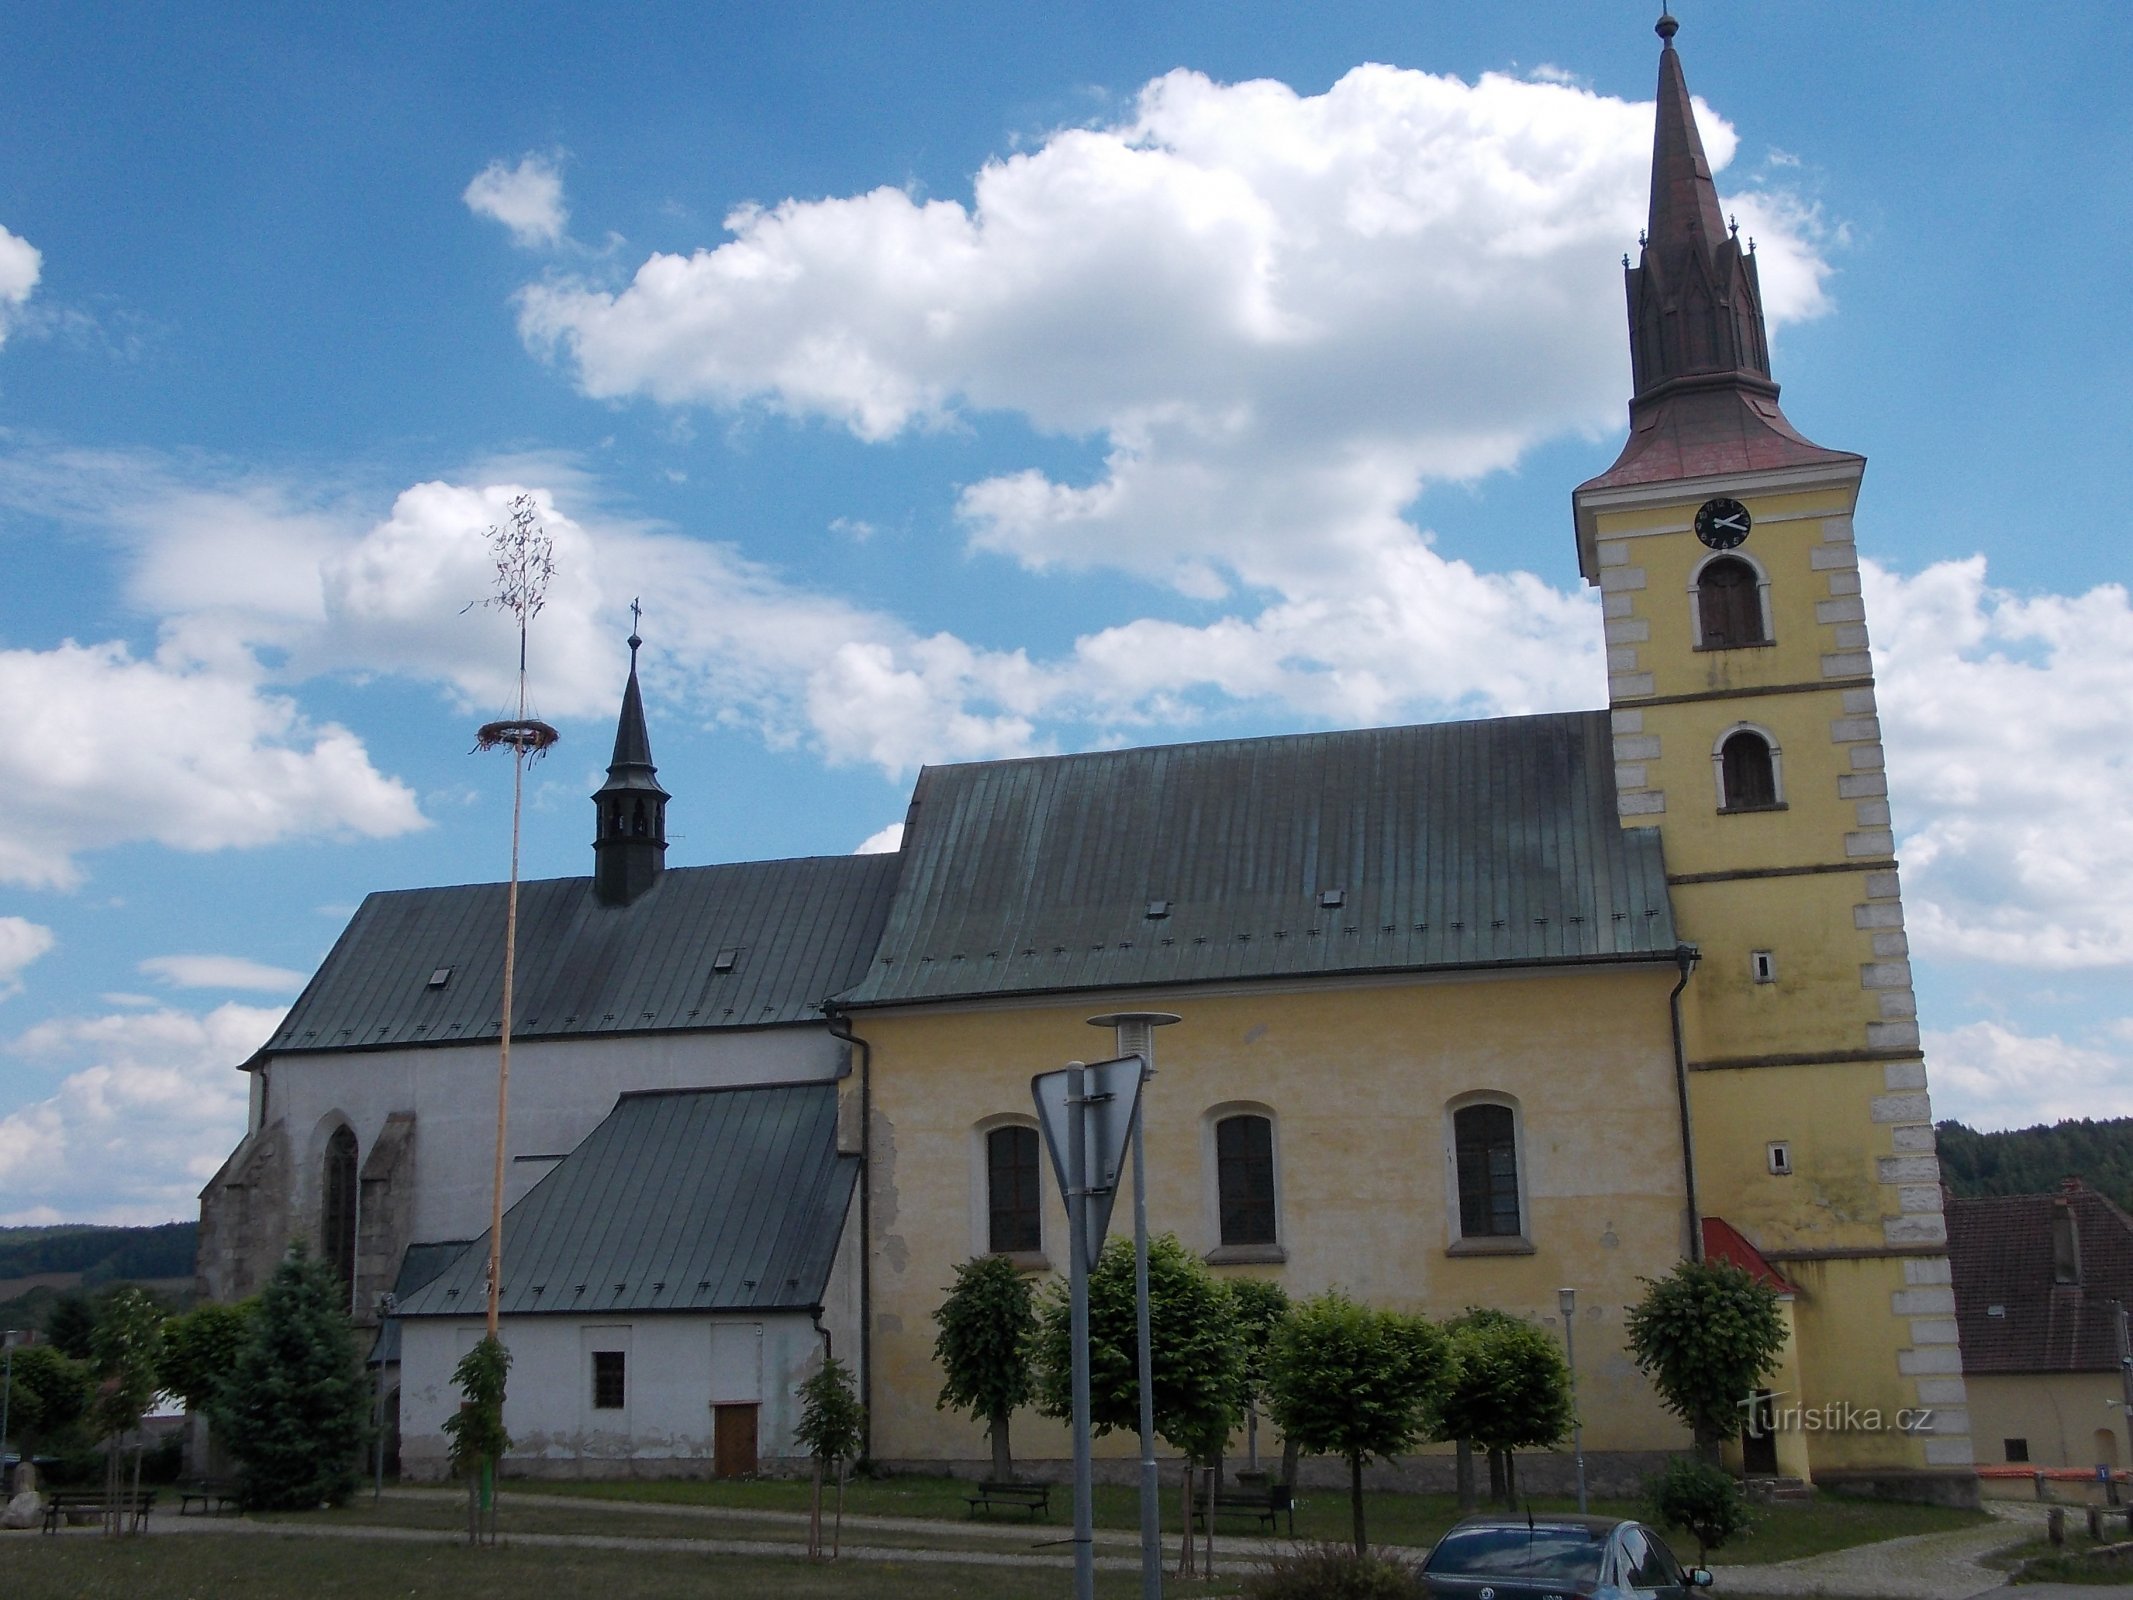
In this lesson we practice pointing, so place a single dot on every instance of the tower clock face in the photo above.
(1722, 524)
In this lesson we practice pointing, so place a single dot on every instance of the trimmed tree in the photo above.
(476, 1430)
(1700, 1498)
(126, 1348)
(293, 1412)
(1508, 1389)
(1195, 1366)
(831, 1423)
(1258, 1306)
(1354, 1382)
(988, 1328)
(51, 1395)
(1706, 1335)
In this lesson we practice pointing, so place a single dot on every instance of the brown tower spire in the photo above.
(1703, 401)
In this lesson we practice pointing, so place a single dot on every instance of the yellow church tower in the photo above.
(1741, 684)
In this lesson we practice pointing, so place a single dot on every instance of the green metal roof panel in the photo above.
(681, 1200)
(1453, 845)
(799, 930)
(420, 1263)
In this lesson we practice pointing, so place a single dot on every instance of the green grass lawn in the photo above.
(1782, 1532)
(250, 1567)
(218, 1565)
(2040, 1561)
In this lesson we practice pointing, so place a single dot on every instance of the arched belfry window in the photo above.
(1748, 775)
(337, 1208)
(1015, 1224)
(1730, 605)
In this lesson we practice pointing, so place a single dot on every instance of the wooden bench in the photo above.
(1035, 1498)
(216, 1497)
(1262, 1505)
(62, 1505)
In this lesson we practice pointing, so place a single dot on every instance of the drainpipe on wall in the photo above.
(1685, 958)
(840, 1027)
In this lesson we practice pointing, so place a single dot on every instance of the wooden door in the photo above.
(1758, 1443)
(733, 1441)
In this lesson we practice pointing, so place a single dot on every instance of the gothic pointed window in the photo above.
(1014, 1222)
(1729, 605)
(337, 1210)
(1748, 778)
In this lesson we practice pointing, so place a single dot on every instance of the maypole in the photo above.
(525, 562)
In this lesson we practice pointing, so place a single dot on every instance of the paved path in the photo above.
(1925, 1566)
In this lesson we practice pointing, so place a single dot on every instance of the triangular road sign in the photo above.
(1111, 1103)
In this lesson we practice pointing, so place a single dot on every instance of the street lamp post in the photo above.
(7, 1386)
(1566, 1301)
(1135, 1035)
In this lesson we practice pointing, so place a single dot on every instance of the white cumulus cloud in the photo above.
(1988, 1075)
(22, 942)
(98, 747)
(21, 265)
(148, 1106)
(222, 972)
(1283, 314)
(2009, 723)
(527, 199)
(882, 841)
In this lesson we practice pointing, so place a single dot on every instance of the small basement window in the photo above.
(610, 1389)
(2016, 1450)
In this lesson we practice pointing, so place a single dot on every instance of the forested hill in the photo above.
(99, 1255)
(2033, 1160)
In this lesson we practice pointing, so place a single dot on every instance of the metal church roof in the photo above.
(681, 1200)
(1454, 845)
(425, 966)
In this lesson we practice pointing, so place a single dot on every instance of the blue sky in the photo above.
(957, 381)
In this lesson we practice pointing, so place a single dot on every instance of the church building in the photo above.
(1465, 1014)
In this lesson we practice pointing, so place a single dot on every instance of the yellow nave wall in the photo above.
(1357, 1079)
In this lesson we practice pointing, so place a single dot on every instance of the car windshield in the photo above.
(1569, 1554)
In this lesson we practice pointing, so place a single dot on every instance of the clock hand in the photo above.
(1727, 522)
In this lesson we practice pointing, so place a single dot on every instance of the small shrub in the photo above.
(1332, 1572)
(1701, 1500)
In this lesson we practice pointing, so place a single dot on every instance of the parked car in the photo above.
(1552, 1557)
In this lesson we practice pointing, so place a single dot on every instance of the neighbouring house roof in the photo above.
(796, 931)
(1456, 845)
(2010, 1312)
(681, 1200)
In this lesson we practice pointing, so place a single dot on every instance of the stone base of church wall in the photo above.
(1614, 1474)
(435, 1467)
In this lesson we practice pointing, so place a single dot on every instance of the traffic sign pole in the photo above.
(1078, 1295)
(1135, 1035)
